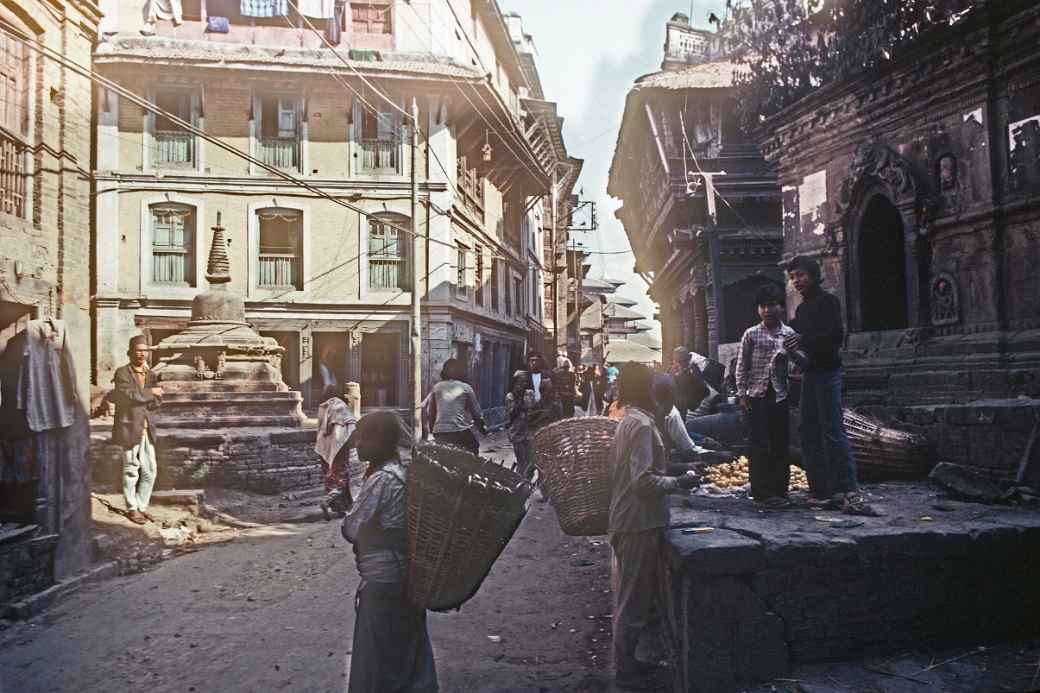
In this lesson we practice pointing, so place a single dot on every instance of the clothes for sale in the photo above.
(46, 390)
(316, 9)
(264, 8)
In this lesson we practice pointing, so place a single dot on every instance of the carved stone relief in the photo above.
(945, 300)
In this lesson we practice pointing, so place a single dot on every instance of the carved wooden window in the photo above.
(173, 245)
(388, 253)
(461, 286)
(14, 124)
(280, 262)
(478, 283)
(371, 17)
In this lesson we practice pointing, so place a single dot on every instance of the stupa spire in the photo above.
(218, 269)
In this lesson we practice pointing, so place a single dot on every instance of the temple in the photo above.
(218, 371)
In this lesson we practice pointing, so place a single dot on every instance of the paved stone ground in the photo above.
(272, 610)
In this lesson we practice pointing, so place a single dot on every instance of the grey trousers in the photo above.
(139, 471)
(634, 584)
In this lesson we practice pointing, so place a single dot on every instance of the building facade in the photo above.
(701, 207)
(324, 260)
(45, 149)
(917, 186)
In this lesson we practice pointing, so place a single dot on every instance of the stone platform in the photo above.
(765, 591)
(265, 460)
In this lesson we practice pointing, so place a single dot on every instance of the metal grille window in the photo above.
(173, 245)
(175, 146)
(14, 125)
(388, 254)
(478, 283)
(518, 293)
(279, 264)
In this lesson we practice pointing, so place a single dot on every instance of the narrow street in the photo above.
(273, 611)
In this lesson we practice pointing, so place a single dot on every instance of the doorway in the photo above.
(882, 268)
(380, 364)
(330, 365)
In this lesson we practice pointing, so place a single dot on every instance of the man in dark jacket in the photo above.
(137, 396)
(826, 455)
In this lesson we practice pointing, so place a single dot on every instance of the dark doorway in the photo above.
(380, 364)
(882, 268)
(330, 365)
(739, 308)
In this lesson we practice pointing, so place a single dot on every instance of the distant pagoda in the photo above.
(218, 372)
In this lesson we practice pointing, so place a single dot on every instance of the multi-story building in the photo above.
(702, 209)
(45, 112)
(324, 260)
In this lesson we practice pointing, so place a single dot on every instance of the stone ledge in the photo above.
(31, 606)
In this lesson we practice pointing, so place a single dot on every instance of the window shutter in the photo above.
(286, 118)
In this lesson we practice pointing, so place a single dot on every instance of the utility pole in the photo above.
(416, 313)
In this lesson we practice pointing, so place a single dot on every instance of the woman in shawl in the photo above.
(391, 647)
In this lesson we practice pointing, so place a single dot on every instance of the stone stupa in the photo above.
(218, 372)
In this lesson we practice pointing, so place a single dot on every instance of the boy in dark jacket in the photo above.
(137, 396)
(826, 454)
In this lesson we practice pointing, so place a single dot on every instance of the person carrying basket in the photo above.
(391, 646)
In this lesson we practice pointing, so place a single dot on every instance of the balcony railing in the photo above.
(12, 175)
(280, 152)
(379, 156)
(174, 267)
(278, 270)
(174, 148)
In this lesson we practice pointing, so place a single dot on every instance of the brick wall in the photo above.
(26, 567)
(269, 461)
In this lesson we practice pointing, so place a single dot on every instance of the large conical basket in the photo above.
(462, 511)
(572, 457)
(883, 453)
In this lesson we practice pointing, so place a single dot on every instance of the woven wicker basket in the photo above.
(883, 453)
(572, 458)
(462, 511)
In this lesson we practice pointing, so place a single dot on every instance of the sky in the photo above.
(589, 53)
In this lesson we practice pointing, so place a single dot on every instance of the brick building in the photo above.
(45, 153)
(322, 279)
(917, 186)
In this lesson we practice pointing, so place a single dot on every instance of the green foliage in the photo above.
(793, 47)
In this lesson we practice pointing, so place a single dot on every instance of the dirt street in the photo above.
(272, 610)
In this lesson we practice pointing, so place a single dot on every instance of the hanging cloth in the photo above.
(166, 10)
(264, 8)
(316, 9)
(47, 382)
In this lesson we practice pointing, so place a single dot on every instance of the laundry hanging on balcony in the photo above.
(161, 10)
(264, 8)
(316, 9)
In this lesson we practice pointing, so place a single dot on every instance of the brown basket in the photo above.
(572, 457)
(883, 453)
(462, 511)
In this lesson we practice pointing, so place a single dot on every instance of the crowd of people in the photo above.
(650, 458)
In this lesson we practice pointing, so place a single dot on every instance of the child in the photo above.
(762, 387)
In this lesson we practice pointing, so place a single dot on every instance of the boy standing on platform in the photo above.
(762, 386)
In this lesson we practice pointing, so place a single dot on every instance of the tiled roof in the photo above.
(624, 351)
(713, 75)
